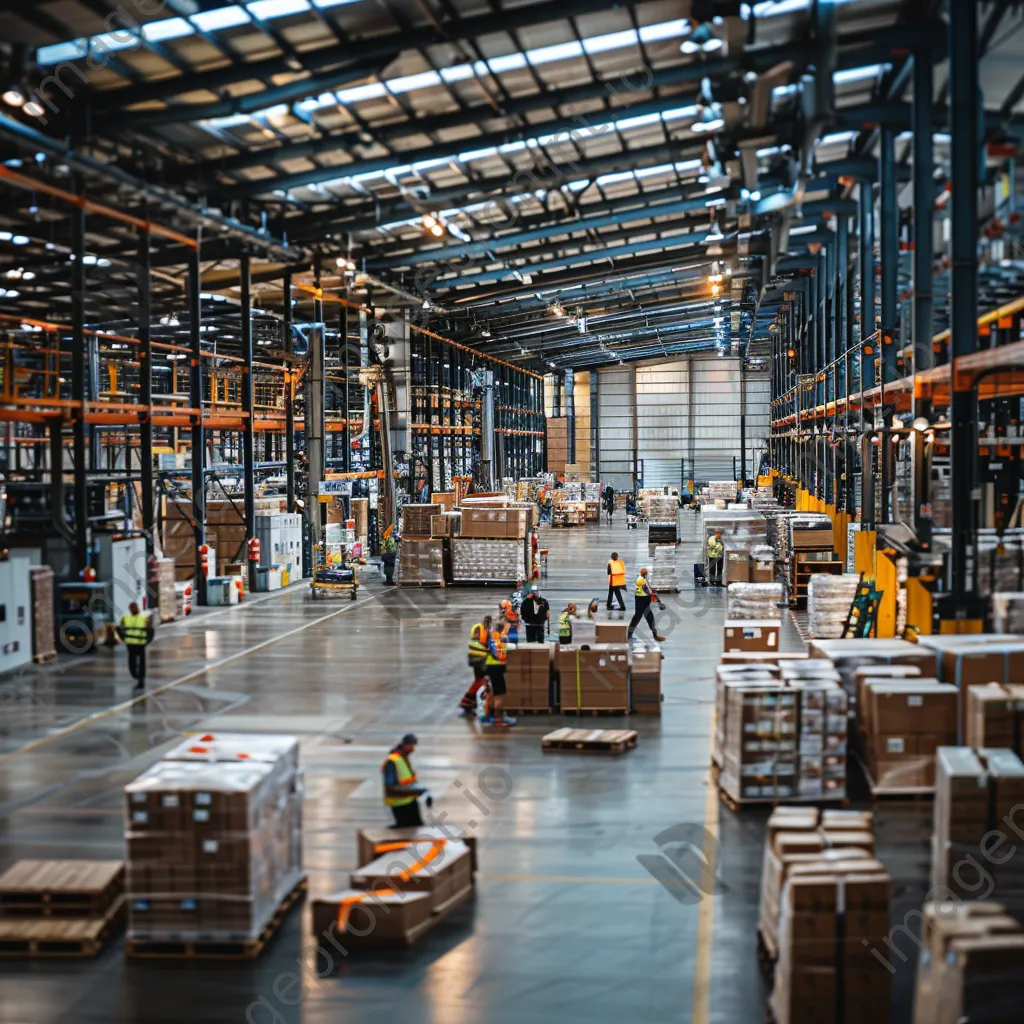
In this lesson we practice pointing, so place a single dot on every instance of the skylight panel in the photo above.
(267, 10)
(560, 51)
(611, 41)
(169, 28)
(220, 18)
(410, 83)
(358, 93)
(507, 62)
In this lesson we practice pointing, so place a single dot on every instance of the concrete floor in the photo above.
(568, 923)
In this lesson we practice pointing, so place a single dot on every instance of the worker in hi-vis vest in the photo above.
(401, 793)
(716, 553)
(136, 630)
(616, 581)
(643, 596)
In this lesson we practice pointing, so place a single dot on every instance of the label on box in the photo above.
(140, 816)
(915, 700)
(201, 815)
(894, 745)
(203, 799)
(210, 846)
(138, 798)
(753, 633)
(169, 800)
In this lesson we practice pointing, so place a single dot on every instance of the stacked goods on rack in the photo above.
(402, 894)
(976, 660)
(829, 599)
(799, 835)
(44, 637)
(566, 512)
(479, 560)
(753, 601)
(448, 524)
(225, 534)
(645, 679)
(594, 678)
(831, 910)
(557, 443)
(976, 794)
(1008, 612)
(360, 509)
(214, 840)
(995, 717)
(901, 724)
(664, 574)
(528, 677)
(1001, 557)
(421, 563)
(163, 594)
(809, 547)
(416, 519)
(60, 907)
(971, 965)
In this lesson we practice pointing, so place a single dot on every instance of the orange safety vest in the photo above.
(478, 640)
(617, 577)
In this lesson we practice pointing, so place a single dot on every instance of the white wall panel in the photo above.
(663, 409)
(615, 412)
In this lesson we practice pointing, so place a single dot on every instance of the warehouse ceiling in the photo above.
(562, 185)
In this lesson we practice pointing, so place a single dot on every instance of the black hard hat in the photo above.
(409, 740)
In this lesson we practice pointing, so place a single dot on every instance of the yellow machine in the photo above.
(332, 579)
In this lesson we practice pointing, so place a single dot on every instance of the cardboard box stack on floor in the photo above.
(528, 677)
(44, 637)
(664, 575)
(901, 725)
(645, 679)
(850, 655)
(754, 601)
(421, 562)
(979, 812)
(214, 837)
(832, 904)
(557, 443)
(482, 560)
(971, 964)
(995, 717)
(829, 599)
(394, 898)
(416, 520)
(751, 635)
(595, 678)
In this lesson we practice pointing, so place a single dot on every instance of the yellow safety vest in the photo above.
(642, 588)
(136, 629)
(715, 548)
(478, 637)
(499, 645)
(618, 573)
(565, 626)
(406, 777)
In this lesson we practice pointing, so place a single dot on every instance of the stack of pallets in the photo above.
(60, 908)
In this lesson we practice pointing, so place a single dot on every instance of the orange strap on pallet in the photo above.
(346, 905)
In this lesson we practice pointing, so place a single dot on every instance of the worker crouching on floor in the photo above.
(565, 623)
(497, 657)
(716, 553)
(401, 793)
(643, 596)
(479, 639)
(136, 630)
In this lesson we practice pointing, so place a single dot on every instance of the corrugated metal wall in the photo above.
(715, 437)
(581, 401)
(662, 415)
(758, 391)
(616, 406)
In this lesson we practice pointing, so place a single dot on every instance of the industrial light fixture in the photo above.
(437, 230)
(426, 304)
(556, 309)
(921, 424)
(345, 264)
(34, 109)
(485, 332)
(6, 293)
(14, 97)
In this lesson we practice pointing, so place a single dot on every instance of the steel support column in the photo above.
(79, 387)
(866, 262)
(963, 105)
(142, 269)
(315, 420)
(289, 395)
(889, 256)
(195, 392)
(248, 431)
(570, 416)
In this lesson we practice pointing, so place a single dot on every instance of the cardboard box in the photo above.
(753, 635)
(810, 539)
(761, 569)
(737, 567)
(612, 632)
(444, 874)
(361, 920)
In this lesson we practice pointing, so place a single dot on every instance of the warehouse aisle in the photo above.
(570, 920)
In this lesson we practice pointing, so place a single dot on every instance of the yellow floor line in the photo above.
(148, 694)
(701, 1003)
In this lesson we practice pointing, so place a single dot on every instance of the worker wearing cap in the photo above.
(401, 793)
(616, 581)
(565, 623)
(536, 613)
(643, 596)
(716, 552)
(136, 630)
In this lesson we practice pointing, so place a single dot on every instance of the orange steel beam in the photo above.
(476, 352)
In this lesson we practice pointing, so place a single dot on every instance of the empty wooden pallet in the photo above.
(590, 741)
(61, 888)
(60, 936)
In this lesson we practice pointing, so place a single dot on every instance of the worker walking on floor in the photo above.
(136, 630)
(716, 553)
(565, 623)
(616, 581)
(497, 656)
(479, 638)
(643, 596)
(401, 792)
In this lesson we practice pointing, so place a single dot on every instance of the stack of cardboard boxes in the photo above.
(971, 965)
(44, 637)
(645, 679)
(482, 560)
(557, 443)
(995, 717)
(833, 903)
(594, 678)
(421, 563)
(528, 677)
(416, 520)
(976, 849)
(495, 523)
(902, 723)
(214, 838)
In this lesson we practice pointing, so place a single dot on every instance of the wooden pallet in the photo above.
(215, 949)
(912, 794)
(60, 936)
(590, 741)
(736, 804)
(595, 712)
(60, 888)
(529, 711)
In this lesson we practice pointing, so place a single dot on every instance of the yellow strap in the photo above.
(579, 697)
